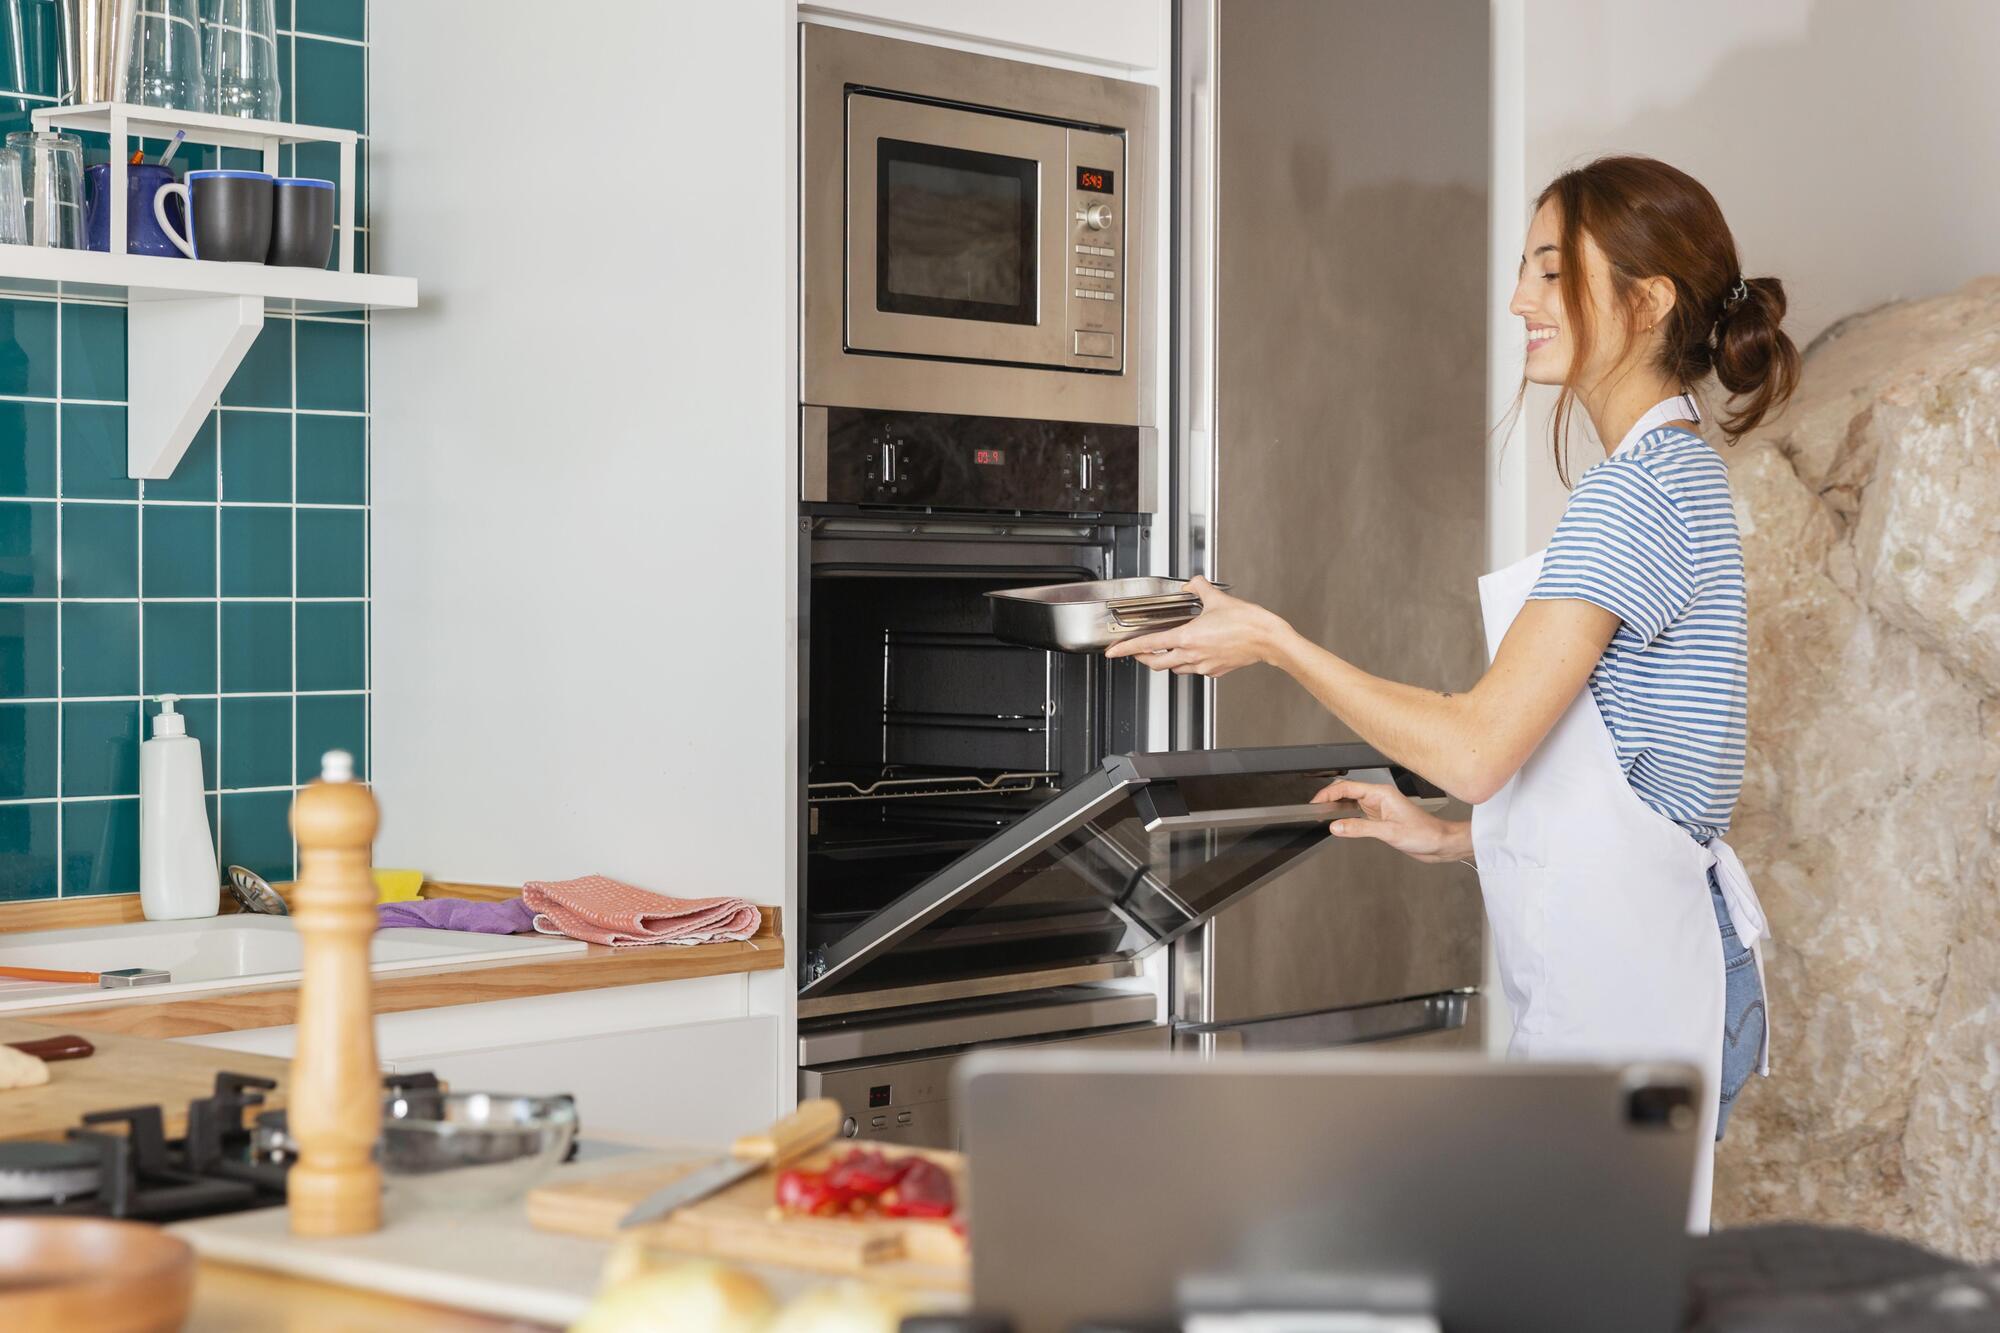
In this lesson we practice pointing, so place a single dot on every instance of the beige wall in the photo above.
(1851, 143)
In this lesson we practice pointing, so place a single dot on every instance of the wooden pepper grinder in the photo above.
(334, 1187)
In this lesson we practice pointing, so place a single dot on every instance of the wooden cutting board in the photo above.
(125, 1071)
(741, 1223)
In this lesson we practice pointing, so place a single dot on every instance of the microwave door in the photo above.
(950, 245)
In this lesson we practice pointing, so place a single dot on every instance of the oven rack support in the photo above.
(894, 789)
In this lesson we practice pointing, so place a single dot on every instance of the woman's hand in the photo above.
(1389, 816)
(1229, 633)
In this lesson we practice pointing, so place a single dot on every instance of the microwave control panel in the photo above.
(1096, 252)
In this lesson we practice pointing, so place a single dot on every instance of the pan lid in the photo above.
(1142, 850)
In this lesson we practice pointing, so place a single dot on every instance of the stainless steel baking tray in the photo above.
(1090, 617)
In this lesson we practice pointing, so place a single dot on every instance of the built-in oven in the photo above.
(967, 233)
(988, 854)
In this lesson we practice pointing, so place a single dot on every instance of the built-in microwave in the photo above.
(969, 233)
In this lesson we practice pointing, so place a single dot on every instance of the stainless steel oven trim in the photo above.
(937, 1031)
(1334, 1027)
(833, 59)
(967, 988)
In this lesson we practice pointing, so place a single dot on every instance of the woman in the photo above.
(1624, 926)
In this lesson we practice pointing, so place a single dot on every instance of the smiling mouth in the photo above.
(1538, 337)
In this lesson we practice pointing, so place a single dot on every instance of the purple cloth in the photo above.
(508, 918)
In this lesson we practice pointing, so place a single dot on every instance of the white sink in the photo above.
(217, 953)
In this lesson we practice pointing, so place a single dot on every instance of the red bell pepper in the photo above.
(811, 1193)
(866, 1174)
(924, 1190)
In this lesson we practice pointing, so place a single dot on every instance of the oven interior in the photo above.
(926, 735)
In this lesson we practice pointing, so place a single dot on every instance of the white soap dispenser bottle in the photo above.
(177, 872)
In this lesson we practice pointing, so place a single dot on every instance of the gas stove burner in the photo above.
(48, 1172)
(120, 1163)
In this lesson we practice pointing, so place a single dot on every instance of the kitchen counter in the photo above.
(594, 968)
(491, 1258)
(230, 1299)
(124, 1071)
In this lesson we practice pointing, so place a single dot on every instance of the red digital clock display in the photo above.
(1094, 178)
(989, 457)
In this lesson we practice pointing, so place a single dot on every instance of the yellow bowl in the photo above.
(397, 886)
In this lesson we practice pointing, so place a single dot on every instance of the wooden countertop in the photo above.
(229, 1299)
(595, 968)
(125, 1071)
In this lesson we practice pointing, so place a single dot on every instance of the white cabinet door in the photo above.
(1132, 33)
(697, 1082)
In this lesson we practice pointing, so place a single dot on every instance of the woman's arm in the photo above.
(1470, 743)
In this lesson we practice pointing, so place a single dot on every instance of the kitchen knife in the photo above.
(810, 1127)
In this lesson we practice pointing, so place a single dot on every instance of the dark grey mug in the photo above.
(301, 223)
(228, 213)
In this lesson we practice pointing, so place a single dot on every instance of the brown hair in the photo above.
(1656, 221)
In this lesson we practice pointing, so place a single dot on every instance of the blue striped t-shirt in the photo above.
(1649, 535)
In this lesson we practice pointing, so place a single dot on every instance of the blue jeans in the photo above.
(1743, 1010)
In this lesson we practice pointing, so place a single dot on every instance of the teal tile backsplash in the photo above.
(240, 582)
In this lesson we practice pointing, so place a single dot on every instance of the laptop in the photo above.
(1289, 1191)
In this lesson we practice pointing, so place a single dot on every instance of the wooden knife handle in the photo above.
(69, 1046)
(810, 1127)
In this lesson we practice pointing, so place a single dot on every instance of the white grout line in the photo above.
(61, 859)
(162, 504)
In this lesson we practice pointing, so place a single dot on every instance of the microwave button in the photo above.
(1096, 344)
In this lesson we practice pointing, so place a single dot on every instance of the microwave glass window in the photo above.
(955, 233)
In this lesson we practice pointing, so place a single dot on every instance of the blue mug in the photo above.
(143, 235)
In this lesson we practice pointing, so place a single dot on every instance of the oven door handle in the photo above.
(1268, 816)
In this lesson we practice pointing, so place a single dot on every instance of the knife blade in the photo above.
(810, 1127)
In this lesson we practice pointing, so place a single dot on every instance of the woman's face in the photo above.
(1538, 300)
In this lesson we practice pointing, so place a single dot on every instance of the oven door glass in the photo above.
(955, 233)
(1143, 850)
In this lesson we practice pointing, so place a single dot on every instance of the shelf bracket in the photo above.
(180, 351)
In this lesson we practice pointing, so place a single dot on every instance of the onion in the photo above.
(847, 1307)
(697, 1296)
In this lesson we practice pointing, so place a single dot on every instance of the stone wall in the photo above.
(1871, 533)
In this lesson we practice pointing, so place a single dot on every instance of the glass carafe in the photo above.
(242, 59)
(165, 67)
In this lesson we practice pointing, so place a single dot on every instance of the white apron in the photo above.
(1607, 940)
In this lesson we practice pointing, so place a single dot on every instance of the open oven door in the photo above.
(1142, 850)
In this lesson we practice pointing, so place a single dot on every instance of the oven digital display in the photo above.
(990, 457)
(1094, 178)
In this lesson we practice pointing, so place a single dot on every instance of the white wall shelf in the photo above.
(191, 322)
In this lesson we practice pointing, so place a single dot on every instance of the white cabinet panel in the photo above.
(700, 1083)
(1131, 33)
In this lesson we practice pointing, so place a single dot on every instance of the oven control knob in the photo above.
(1097, 217)
(849, 1128)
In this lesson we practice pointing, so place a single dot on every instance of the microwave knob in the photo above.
(1097, 217)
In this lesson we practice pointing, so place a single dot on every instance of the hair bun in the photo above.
(1755, 360)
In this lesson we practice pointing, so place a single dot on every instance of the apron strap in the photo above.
(1746, 913)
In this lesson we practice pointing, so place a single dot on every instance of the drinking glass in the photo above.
(242, 58)
(13, 212)
(165, 67)
(52, 183)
